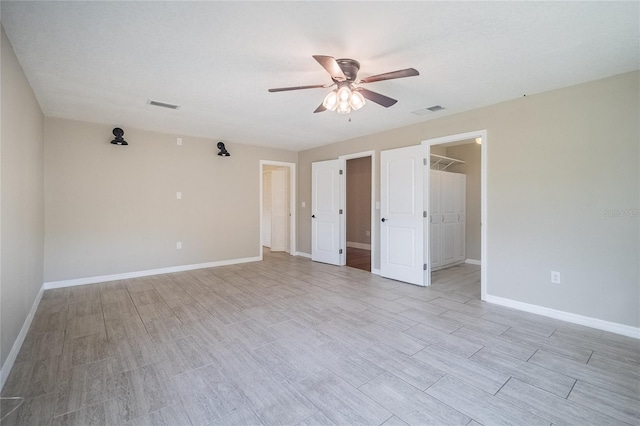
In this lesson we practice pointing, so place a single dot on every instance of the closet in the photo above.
(448, 215)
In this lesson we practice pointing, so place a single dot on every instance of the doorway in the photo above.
(455, 200)
(459, 265)
(277, 202)
(358, 212)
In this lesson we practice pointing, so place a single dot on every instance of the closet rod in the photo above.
(442, 159)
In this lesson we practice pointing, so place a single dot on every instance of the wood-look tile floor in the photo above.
(288, 341)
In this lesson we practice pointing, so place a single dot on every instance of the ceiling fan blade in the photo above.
(320, 108)
(330, 64)
(383, 100)
(284, 89)
(409, 72)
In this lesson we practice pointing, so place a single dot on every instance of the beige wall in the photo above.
(469, 153)
(359, 200)
(22, 204)
(557, 162)
(113, 209)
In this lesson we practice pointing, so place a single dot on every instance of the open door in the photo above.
(325, 212)
(402, 255)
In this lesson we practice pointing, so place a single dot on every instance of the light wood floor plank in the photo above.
(290, 341)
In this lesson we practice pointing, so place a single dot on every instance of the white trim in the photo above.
(343, 200)
(302, 254)
(293, 208)
(375, 271)
(136, 274)
(613, 327)
(17, 344)
(473, 261)
(484, 222)
(361, 246)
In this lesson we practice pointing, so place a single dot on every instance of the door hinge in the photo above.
(424, 267)
(424, 161)
(340, 211)
(424, 213)
(340, 251)
(340, 172)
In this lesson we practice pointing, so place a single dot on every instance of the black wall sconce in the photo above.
(223, 151)
(119, 140)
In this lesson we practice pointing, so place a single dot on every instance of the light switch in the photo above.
(179, 141)
(304, 204)
(178, 195)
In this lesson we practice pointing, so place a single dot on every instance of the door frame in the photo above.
(427, 144)
(343, 203)
(292, 202)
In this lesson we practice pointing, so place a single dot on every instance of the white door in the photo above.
(460, 231)
(435, 219)
(402, 222)
(325, 212)
(449, 201)
(279, 210)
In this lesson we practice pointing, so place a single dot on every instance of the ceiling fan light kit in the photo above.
(344, 100)
(349, 97)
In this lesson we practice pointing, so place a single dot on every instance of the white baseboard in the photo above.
(302, 254)
(613, 327)
(362, 246)
(136, 274)
(17, 345)
(473, 262)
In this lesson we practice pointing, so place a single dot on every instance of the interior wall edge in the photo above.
(137, 274)
(17, 344)
(613, 327)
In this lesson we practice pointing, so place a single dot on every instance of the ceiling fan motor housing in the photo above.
(349, 67)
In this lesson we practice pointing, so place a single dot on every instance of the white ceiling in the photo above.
(102, 61)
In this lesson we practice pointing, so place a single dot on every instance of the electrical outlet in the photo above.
(555, 277)
(178, 195)
(179, 141)
(178, 245)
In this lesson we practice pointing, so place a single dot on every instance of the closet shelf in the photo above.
(438, 162)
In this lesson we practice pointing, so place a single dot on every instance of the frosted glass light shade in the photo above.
(331, 101)
(343, 107)
(356, 101)
(344, 94)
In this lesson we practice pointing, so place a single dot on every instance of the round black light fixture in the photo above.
(223, 151)
(119, 140)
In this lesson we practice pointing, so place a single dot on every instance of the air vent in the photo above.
(426, 111)
(163, 104)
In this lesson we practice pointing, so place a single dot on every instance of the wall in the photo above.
(22, 204)
(553, 195)
(359, 200)
(470, 154)
(113, 209)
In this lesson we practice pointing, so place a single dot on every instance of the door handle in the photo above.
(313, 216)
(384, 220)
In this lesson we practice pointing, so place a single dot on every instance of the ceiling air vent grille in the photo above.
(426, 111)
(163, 104)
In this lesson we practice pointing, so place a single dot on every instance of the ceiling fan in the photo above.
(349, 95)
